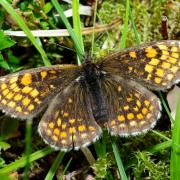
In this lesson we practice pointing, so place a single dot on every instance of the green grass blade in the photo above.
(77, 22)
(125, 30)
(119, 162)
(175, 153)
(26, 30)
(76, 42)
(55, 166)
(28, 149)
(22, 161)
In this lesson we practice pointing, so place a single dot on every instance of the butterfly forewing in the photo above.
(26, 93)
(69, 122)
(135, 109)
(155, 65)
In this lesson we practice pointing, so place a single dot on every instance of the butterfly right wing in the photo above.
(24, 94)
(68, 122)
(155, 65)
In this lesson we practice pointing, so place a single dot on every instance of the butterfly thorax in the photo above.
(92, 77)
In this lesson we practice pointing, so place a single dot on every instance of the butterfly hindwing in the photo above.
(155, 65)
(26, 93)
(69, 122)
(133, 109)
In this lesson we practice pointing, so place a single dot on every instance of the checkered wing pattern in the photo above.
(133, 109)
(26, 93)
(155, 65)
(69, 122)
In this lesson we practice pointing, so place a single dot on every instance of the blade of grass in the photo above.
(76, 42)
(175, 152)
(65, 169)
(166, 108)
(22, 161)
(125, 30)
(18, 19)
(55, 166)
(137, 35)
(28, 149)
(119, 161)
(94, 24)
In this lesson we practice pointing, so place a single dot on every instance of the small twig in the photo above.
(63, 32)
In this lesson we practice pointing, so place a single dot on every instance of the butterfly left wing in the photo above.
(155, 65)
(133, 109)
(69, 122)
(26, 93)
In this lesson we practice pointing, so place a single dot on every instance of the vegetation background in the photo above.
(129, 23)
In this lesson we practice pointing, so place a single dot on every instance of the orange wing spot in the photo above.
(10, 95)
(132, 54)
(150, 52)
(164, 52)
(174, 49)
(164, 57)
(130, 116)
(72, 130)
(30, 107)
(63, 134)
(154, 61)
(18, 97)
(54, 138)
(172, 60)
(174, 69)
(56, 131)
(70, 100)
(11, 104)
(16, 89)
(5, 92)
(43, 74)
(72, 121)
(136, 109)
(13, 79)
(151, 108)
(170, 77)
(149, 115)
(81, 128)
(26, 79)
(160, 72)
(175, 55)
(133, 123)
(142, 123)
(19, 109)
(126, 107)
(144, 111)
(138, 103)
(52, 72)
(63, 141)
(119, 88)
(91, 128)
(59, 121)
(12, 86)
(149, 77)
(162, 47)
(157, 80)
(149, 68)
(34, 93)
(113, 122)
(65, 114)
(26, 101)
(130, 68)
(64, 126)
(166, 65)
(129, 99)
(3, 86)
(4, 102)
(121, 118)
(37, 101)
(146, 102)
(139, 116)
(26, 89)
(51, 125)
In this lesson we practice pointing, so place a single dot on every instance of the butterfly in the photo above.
(79, 101)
